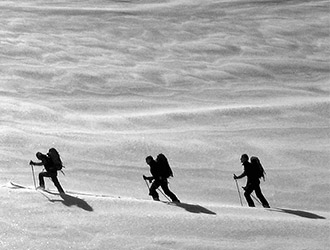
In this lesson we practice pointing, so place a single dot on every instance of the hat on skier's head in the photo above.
(39, 155)
(244, 158)
(149, 159)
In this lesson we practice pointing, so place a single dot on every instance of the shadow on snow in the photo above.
(193, 208)
(300, 213)
(69, 201)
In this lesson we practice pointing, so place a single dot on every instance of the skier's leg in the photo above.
(248, 190)
(168, 192)
(261, 197)
(41, 179)
(57, 184)
(152, 190)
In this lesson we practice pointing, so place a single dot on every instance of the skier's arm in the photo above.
(240, 176)
(149, 178)
(36, 163)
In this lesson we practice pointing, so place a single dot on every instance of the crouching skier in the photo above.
(160, 171)
(50, 167)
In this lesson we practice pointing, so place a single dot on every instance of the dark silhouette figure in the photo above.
(159, 177)
(50, 172)
(252, 172)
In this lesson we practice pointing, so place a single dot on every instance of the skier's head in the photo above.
(149, 159)
(39, 155)
(244, 158)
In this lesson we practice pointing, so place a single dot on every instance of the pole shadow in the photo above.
(299, 213)
(193, 208)
(69, 201)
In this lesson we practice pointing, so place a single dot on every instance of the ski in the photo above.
(19, 186)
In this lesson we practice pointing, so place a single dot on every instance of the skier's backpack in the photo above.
(259, 170)
(165, 168)
(56, 159)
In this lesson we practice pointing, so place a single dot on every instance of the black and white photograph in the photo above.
(164, 124)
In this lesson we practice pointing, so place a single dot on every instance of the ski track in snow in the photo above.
(202, 81)
(95, 196)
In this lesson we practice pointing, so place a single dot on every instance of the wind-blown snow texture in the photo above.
(109, 82)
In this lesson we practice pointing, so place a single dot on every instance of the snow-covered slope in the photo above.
(110, 82)
(40, 220)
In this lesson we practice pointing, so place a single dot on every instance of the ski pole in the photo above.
(145, 179)
(34, 178)
(239, 193)
(256, 199)
(147, 184)
(157, 189)
(164, 194)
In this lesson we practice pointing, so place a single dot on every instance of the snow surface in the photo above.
(110, 82)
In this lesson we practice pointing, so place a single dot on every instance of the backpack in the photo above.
(259, 170)
(165, 169)
(55, 158)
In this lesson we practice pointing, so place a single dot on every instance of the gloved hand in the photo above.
(235, 177)
(31, 163)
(147, 178)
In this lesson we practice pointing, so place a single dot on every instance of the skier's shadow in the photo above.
(300, 213)
(69, 201)
(193, 208)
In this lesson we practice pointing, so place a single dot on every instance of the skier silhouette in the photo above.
(160, 173)
(51, 171)
(251, 171)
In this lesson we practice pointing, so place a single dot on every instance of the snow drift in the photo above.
(109, 82)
